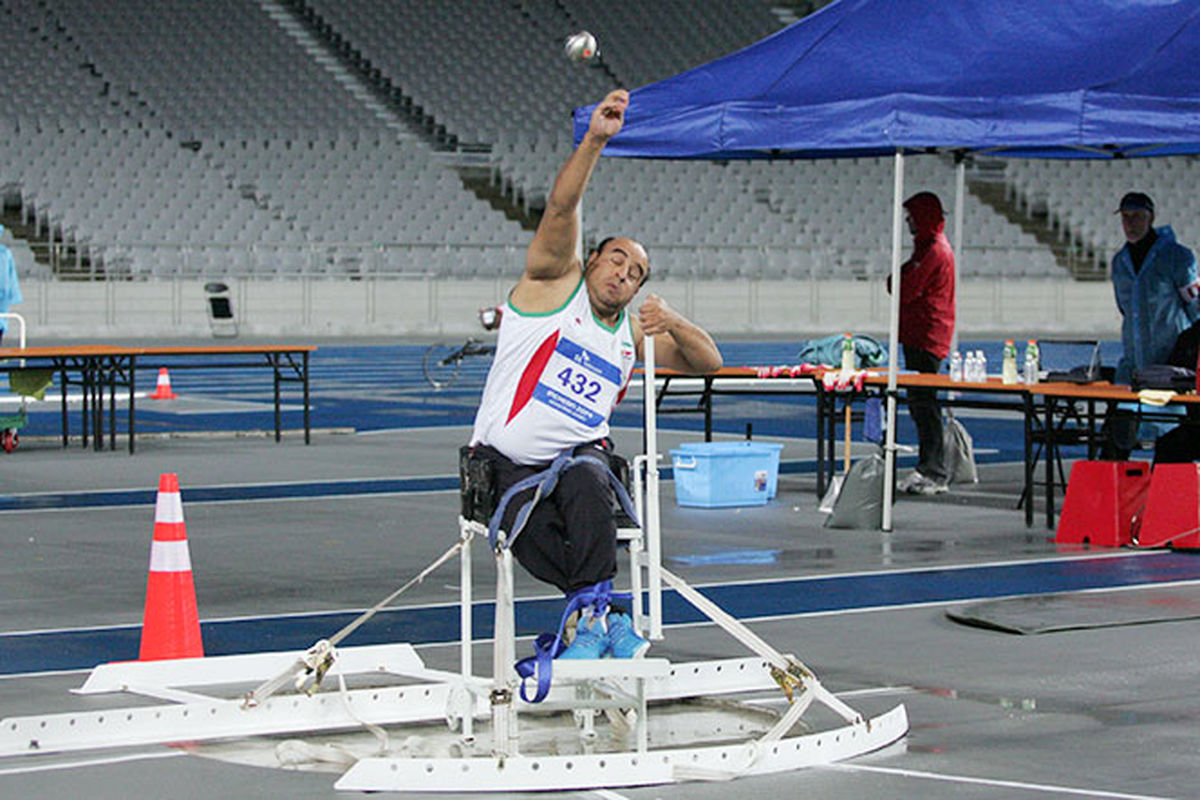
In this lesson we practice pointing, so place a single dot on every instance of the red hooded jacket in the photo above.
(927, 280)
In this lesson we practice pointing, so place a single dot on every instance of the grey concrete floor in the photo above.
(1097, 712)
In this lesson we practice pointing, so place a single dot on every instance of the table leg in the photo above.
(1030, 410)
(820, 441)
(706, 399)
(132, 381)
(85, 419)
(278, 412)
(831, 436)
(98, 412)
(1050, 453)
(307, 427)
(112, 412)
(1091, 430)
(66, 427)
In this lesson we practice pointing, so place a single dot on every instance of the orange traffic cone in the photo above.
(162, 391)
(171, 623)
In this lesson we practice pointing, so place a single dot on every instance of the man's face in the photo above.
(615, 275)
(1136, 224)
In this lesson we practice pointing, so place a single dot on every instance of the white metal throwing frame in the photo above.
(627, 690)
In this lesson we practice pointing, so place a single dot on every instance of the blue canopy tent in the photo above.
(1061, 79)
(1072, 78)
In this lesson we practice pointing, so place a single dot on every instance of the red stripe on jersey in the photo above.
(531, 375)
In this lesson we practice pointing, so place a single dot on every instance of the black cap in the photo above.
(1136, 201)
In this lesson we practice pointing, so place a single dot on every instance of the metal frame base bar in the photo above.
(611, 770)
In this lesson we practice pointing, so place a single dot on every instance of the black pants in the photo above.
(1119, 433)
(1179, 445)
(570, 540)
(927, 416)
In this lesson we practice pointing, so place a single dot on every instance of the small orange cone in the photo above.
(162, 391)
(171, 623)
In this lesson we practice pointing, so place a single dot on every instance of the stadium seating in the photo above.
(1080, 198)
(180, 139)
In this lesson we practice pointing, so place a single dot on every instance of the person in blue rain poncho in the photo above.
(1156, 285)
(1158, 294)
(10, 287)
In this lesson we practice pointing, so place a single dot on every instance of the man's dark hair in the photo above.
(599, 248)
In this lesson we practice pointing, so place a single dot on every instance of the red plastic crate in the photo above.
(1102, 499)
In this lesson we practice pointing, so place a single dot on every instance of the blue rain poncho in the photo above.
(10, 287)
(1157, 303)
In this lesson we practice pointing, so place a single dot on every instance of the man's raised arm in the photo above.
(552, 254)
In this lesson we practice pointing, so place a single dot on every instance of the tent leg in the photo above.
(960, 191)
(889, 471)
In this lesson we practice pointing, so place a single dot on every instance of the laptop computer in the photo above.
(1071, 360)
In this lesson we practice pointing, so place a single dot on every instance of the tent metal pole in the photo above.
(651, 520)
(889, 471)
(960, 192)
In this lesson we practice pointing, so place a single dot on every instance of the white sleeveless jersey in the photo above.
(554, 381)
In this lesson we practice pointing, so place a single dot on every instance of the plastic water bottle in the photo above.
(981, 366)
(1008, 368)
(970, 367)
(848, 353)
(956, 367)
(1033, 360)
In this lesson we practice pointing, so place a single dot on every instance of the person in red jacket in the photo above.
(926, 329)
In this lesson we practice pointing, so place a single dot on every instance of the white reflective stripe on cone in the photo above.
(170, 557)
(168, 507)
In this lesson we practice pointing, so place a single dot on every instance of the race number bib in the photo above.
(578, 384)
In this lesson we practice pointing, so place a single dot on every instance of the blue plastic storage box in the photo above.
(771, 448)
(724, 474)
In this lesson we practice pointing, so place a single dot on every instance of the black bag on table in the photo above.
(1164, 376)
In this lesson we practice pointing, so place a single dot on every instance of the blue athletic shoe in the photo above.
(590, 640)
(623, 640)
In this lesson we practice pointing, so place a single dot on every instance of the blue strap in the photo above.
(545, 649)
(549, 646)
(873, 421)
(545, 483)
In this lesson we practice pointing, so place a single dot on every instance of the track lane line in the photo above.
(1042, 788)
